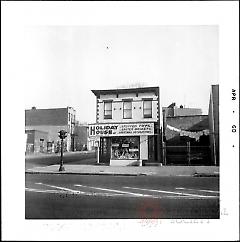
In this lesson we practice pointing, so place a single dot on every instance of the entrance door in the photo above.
(152, 149)
(105, 150)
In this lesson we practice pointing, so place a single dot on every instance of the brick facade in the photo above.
(189, 123)
(52, 121)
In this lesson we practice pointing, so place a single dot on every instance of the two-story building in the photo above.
(128, 128)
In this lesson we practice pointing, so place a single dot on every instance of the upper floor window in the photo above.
(127, 109)
(147, 109)
(107, 109)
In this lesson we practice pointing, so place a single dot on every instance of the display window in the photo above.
(124, 148)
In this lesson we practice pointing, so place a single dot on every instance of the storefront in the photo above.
(122, 144)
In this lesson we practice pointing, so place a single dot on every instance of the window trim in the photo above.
(147, 115)
(107, 116)
(124, 109)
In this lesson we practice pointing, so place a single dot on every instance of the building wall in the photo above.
(81, 139)
(187, 111)
(30, 136)
(36, 117)
(40, 146)
(175, 111)
(137, 108)
(168, 112)
(191, 123)
(52, 121)
(53, 133)
(143, 147)
(52, 130)
(34, 144)
(71, 119)
(214, 123)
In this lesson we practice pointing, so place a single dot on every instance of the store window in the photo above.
(125, 148)
(147, 109)
(127, 109)
(108, 110)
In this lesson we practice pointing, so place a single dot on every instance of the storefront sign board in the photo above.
(125, 129)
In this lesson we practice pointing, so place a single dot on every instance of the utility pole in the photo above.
(98, 150)
(62, 136)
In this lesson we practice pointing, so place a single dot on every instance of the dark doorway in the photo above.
(152, 149)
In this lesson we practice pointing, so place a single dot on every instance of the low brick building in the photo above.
(51, 121)
(36, 141)
(173, 111)
(188, 123)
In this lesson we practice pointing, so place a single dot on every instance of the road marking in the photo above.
(118, 191)
(184, 175)
(190, 189)
(169, 192)
(68, 192)
(46, 191)
(105, 194)
(36, 167)
(62, 188)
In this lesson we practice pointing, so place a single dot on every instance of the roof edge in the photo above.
(125, 90)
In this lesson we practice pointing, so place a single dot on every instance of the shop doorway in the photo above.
(152, 149)
(105, 150)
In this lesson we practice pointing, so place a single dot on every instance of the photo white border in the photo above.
(17, 15)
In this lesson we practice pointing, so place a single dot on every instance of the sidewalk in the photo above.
(128, 170)
(38, 155)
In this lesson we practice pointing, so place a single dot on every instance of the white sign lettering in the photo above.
(121, 129)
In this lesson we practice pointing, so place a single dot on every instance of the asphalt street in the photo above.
(64, 196)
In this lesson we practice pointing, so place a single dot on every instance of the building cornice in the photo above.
(127, 90)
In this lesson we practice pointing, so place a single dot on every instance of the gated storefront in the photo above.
(186, 154)
(186, 141)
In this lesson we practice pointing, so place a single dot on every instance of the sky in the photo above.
(64, 63)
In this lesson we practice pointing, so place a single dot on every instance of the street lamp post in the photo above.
(97, 145)
(62, 136)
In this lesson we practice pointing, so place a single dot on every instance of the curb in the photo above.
(117, 174)
(205, 175)
(83, 173)
(120, 174)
